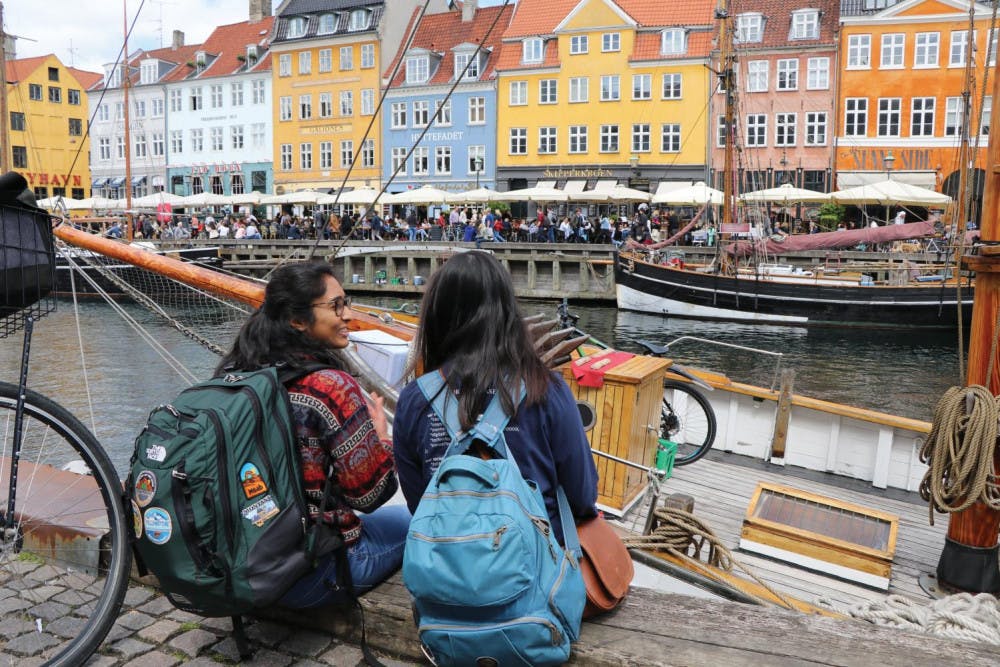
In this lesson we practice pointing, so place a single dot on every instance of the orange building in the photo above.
(903, 85)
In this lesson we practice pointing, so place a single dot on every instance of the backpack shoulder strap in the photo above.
(288, 373)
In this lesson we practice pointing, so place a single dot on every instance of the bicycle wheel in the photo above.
(64, 565)
(687, 419)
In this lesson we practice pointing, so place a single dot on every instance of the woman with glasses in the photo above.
(304, 322)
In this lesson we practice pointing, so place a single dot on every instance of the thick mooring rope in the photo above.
(959, 451)
(961, 616)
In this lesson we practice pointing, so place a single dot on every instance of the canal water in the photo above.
(105, 373)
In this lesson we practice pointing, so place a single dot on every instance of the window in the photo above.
(305, 62)
(286, 157)
(788, 74)
(642, 86)
(216, 95)
(258, 132)
(531, 50)
(421, 113)
(892, 50)
(217, 185)
(671, 86)
(176, 99)
(757, 76)
(959, 48)
(805, 24)
(548, 91)
(399, 161)
(73, 97)
(296, 26)
(157, 107)
(889, 116)
(346, 58)
(986, 116)
(953, 112)
(609, 138)
(53, 74)
(236, 137)
(518, 93)
(416, 69)
(421, 161)
(140, 108)
(196, 100)
(518, 141)
(578, 44)
(757, 129)
(477, 110)
(17, 121)
(673, 42)
(236, 184)
(442, 113)
(75, 127)
(368, 153)
(216, 138)
(992, 56)
(477, 159)
(818, 74)
(367, 101)
(347, 103)
(465, 59)
(442, 160)
(34, 92)
(610, 88)
(305, 156)
(925, 52)
(197, 185)
(577, 138)
(640, 138)
(120, 146)
(258, 91)
(749, 27)
(815, 128)
(359, 20)
(325, 105)
(119, 110)
(785, 129)
(579, 89)
(285, 64)
(55, 95)
(197, 140)
(176, 143)
(20, 156)
(327, 24)
(305, 107)
(611, 41)
(398, 115)
(367, 56)
(346, 153)
(856, 116)
(285, 108)
(922, 116)
(859, 51)
(670, 138)
(325, 62)
(546, 140)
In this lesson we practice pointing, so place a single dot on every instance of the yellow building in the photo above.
(326, 77)
(604, 90)
(47, 122)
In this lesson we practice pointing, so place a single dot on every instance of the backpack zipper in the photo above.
(496, 535)
(555, 632)
(222, 457)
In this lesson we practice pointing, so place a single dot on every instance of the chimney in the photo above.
(10, 47)
(259, 9)
(178, 41)
(469, 10)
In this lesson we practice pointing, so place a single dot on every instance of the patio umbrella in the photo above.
(300, 197)
(96, 202)
(67, 203)
(204, 199)
(152, 200)
(426, 194)
(890, 192)
(785, 194)
(359, 197)
(692, 195)
(477, 196)
(537, 194)
(623, 194)
(252, 197)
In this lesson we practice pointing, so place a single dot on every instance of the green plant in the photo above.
(830, 214)
(242, 58)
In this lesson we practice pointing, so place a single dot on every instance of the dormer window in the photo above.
(114, 77)
(531, 50)
(252, 53)
(359, 20)
(805, 24)
(327, 24)
(463, 59)
(417, 69)
(297, 26)
(673, 41)
(200, 60)
(750, 28)
(147, 72)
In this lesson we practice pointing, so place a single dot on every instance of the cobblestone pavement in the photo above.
(150, 632)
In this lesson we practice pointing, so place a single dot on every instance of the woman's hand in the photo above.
(376, 408)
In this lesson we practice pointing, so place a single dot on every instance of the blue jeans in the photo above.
(375, 556)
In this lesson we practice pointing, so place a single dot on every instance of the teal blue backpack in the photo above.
(490, 582)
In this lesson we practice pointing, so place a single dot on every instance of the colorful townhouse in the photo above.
(458, 150)
(902, 107)
(329, 58)
(47, 119)
(604, 91)
(785, 78)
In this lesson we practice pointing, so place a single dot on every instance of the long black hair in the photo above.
(268, 338)
(472, 329)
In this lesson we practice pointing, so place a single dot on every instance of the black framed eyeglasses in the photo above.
(337, 304)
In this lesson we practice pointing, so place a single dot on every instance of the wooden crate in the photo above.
(627, 409)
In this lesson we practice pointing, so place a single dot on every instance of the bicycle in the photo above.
(64, 547)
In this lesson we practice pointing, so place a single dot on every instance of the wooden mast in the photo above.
(127, 116)
(5, 151)
(728, 82)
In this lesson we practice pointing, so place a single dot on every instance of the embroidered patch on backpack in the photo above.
(260, 511)
(253, 483)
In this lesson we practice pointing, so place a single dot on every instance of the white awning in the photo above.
(669, 186)
(117, 182)
(852, 179)
(605, 185)
(574, 187)
(545, 184)
(138, 180)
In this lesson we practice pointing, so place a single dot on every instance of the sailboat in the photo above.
(884, 291)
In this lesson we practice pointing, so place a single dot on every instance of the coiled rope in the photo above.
(959, 451)
(961, 616)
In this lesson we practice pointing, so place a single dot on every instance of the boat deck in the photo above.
(722, 485)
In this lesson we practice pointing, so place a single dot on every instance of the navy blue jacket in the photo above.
(546, 440)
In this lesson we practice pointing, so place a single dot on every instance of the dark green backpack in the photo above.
(217, 497)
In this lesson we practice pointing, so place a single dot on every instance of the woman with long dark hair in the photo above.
(303, 322)
(471, 331)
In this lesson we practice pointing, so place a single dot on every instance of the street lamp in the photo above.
(478, 163)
